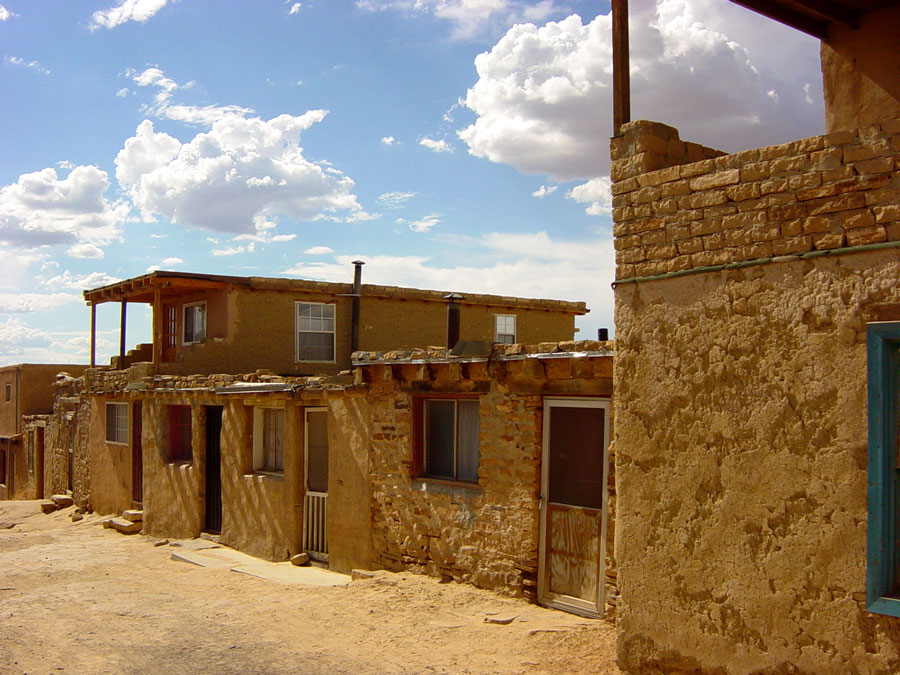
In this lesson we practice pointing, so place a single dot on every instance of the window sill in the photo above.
(266, 475)
(180, 462)
(445, 486)
(109, 442)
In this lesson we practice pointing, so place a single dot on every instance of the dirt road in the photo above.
(77, 598)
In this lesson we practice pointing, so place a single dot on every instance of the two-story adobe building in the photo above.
(219, 324)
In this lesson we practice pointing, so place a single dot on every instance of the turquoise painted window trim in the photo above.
(882, 576)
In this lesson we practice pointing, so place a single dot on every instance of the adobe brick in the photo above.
(787, 211)
(885, 195)
(773, 185)
(668, 205)
(792, 228)
(805, 181)
(825, 160)
(643, 211)
(631, 255)
(752, 204)
(644, 195)
(717, 179)
(621, 229)
(879, 165)
(705, 258)
(830, 240)
(776, 151)
(714, 241)
(690, 245)
(744, 219)
(838, 138)
(737, 237)
(790, 164)
(810, 144)
(755, 251)
(647, 224)
(887, 214)
(858, 152)
(678, 263)
(765, 232)
(653, 237)
(856, 219)
(866, 235)
(655, 178)
(675, 189)
(661, 251)
(708, 198)
(620, 200)
(624, 186)
(755, 171)
(697, 168)
(621, 215)
(743, 191)
(628, 241)
(816, 224)
(790, 245)
(701, 227)
(827, 190)
(842, 173)
(843, 202)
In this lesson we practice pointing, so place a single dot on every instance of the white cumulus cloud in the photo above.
(596, 193)
(318, 250)
(5, 14)
(544, 191)
(85, 251)
(42, 208)
(227, 178)
(80, 282)
(436, 145)
(295, 8)
(127, 10)
(388, 140)
(543, 98)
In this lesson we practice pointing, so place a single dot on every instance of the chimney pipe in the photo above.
(453, 318)
(354, 317)
(603, 334)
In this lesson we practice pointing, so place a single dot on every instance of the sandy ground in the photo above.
(77, 598)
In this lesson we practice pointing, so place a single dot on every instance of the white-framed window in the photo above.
(194, 323)
(268, 439)
(505, 328)
(450, 447)
(117, 423)
(315, 332)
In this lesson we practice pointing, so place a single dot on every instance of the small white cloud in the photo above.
(80, 283)
(597, 193)
(318, 250)
(123, 92)
(19, 61)
(153, 268)
(436, 146)
(5, 14)
(295, 8)
(388, 140)
(126, 10)
(85, 251)
(544, 191)
(394, 200)
(424, 224)
(233, 250)
(65, 164)
(172, 261)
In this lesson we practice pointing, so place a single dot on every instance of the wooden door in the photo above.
(137, 454)
(573, 505)
(315, 433)
(213, 518)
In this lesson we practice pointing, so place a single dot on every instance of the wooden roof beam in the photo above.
(778, 11)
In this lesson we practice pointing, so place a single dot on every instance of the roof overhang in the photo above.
(814, 17)
(169, 285)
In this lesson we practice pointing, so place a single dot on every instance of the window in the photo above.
(505, 328)
(3, 464)
(171, 325)
(882, 575)
(180, 449)
(117, 423)
(315, 331)
(268, 439)
(8, 391)
(449, 439)
(194, 323)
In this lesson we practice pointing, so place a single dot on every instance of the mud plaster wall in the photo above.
(860, 74)
(59, 438)
(171, 489)
(349, 516)
(741, 404)
(261, 512)
(741, 461)
(487, 534)
(110, 466)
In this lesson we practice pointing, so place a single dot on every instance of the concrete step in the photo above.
(134, 515)
(125, 526)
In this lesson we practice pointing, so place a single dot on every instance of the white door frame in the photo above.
(545, 596)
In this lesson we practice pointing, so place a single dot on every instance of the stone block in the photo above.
(843, 202)
(134, 515)
(714, 180)
(857, 152)
(875, 166)
(62, 501)
(839, 138)
(48, 507)
(125, 526)
(742, 191)
(855, 219)
(829, 241)
(675, 189)
(791, 245)
(790, 164)
(886, 214)
(709, 198)
(697, 167)
(866, 235)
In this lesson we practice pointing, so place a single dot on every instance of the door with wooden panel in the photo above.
(315, 532)
(573, 505)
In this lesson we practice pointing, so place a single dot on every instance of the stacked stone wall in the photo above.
(823, 193)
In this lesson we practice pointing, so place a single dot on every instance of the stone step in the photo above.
(124, 526)
(62, 501)
(134, 515)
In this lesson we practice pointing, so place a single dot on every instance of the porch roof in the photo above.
(814, 16)
(170, 284)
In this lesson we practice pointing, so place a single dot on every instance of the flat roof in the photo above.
(174, 284)
(815, 16)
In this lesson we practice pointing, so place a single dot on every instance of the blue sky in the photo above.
(452, 144)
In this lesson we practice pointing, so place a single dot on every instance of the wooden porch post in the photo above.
(621, 74)
(93, 335)
(122, 332)
(157, 328)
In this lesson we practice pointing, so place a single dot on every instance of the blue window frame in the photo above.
(882, 574)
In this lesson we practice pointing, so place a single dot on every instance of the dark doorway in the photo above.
(137, 454)
(213, 469)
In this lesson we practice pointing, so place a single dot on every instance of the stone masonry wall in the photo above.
(821, 193)
(740, 379)
(485, 534)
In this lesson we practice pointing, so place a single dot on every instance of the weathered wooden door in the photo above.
(315, 534)
(137, 454)
(573, 505)
(213, 518)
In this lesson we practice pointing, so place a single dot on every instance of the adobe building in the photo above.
(25, 390)
(217, 324)
(756, 379)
